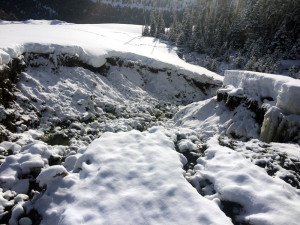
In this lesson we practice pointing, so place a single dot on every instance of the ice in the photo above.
(278, 127)
(25, 221)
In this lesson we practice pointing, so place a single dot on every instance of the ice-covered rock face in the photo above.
(280, 127)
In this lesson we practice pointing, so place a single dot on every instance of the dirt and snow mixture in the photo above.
(99, 125)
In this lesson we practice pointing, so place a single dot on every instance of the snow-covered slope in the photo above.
(93, 44)
(88, 133)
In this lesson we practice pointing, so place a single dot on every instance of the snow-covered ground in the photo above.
(103, 126)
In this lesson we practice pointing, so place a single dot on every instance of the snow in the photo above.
(131, 173)
(283, 90)
(211, 117)
(85, 162)
(15, 165)
(46, 176)
(236, 179)
(93, 44)
(288, 97)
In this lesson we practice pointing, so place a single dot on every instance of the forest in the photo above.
(251, 34)
(256, 35)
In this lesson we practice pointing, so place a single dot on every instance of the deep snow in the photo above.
(86, 161)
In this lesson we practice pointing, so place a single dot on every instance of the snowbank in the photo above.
(211, 117)
(93, 44)
(128, 178)
(285, 91)
(236, 179)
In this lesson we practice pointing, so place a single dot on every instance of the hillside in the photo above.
(91, 11)
(100, 125)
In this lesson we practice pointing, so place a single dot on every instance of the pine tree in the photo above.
(146, 30)
(292, 71)
(297, 75)
(239, 61)
(250, 65)
(181, 40)
(261, 65)
(153, 23)
(161, 27)
(187, 24)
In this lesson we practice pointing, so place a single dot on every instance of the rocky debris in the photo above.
(235, 99)
(33, 165)
(21, 171)
(181, 97)
(267, 156)
(9, 76)
(17, 209)
(14, 117)
(188, 144)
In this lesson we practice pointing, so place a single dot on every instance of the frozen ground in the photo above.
(108, 127)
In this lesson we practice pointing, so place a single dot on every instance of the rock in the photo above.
(25, 221)
(47, 175)
(17, 212)
(20, 198)
(76, 126)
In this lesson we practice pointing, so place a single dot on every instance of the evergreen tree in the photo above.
(239, 61)
(292, 71)
(161, 27)
(250, 65)
(187, 24)
(181, 40)
(146, 30)
(153, 23)
(252, 27)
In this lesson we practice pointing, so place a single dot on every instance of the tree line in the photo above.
(259, 32)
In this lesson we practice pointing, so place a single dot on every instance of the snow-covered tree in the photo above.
(161, 27)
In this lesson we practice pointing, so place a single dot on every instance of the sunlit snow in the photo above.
(131, 134)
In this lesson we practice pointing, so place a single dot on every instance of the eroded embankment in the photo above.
(55, 105)
(104, 89)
